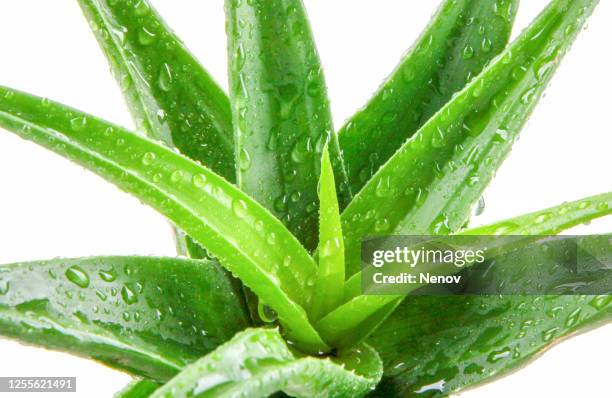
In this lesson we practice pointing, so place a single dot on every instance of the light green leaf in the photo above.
(550, 221)
(281, 111)
(148, 316)
(244, 236)
(462, 37)
(330, 276)
(431, 183)
(258, 363)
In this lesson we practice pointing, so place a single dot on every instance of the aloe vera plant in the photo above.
(271, 205)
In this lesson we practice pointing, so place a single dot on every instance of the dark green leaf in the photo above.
(149, 316)
(436, 345)
(461, 38)
(171, 96)
(281, 111)
(258, 363)
(244, 236)
(431, 183)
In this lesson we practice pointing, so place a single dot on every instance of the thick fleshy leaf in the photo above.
(258, 363)
(431, 183)
(362, 314)
(244, 236)
(171, 96)
(330, 276)
(138, 389)
(149, 316)
(461, 38)
(436, 345)
(550, 221)
(281, 111)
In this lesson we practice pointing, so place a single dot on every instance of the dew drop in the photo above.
(486, 45)
(600, 302)
(271, 238)
(78, 276)
(128, 295)
(78, 123)
(176, 176)
(480, 206)
(382, 225)
(107, 275)
(145, 37)
(266, 313)
(199, 180)
(148, 158)
(239, 208)
(245, 159)
(496, 356)
(5, 287)
(549, 334)
(384, 188)
(165, 78)
(468, 52)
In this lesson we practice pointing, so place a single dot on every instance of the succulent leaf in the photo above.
(242, 235)
(281, 111)
(431, 183)
(474, 339)
(258, 363)
(330, 275)
(462, 37)
(126, 312)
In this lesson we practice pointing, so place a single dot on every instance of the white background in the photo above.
(50, 207)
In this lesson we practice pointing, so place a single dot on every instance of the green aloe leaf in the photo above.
(550, 221)
(330, 276)
(258, 363)
(361, 314)
(244, 236)
(171, 96)
(431, 183)
(435, 346)
(148, 316)
(461, 38)
(138, 389)
(281, 112)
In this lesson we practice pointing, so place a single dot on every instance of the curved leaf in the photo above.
(362, 314)
(171, 96)
(245, 238)
(258, 363)
(431, 183)
(281, 111)
(149, 316)
(434, 346)
(330, 275)
(461, 38)
(550, 221)
(138, 389)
